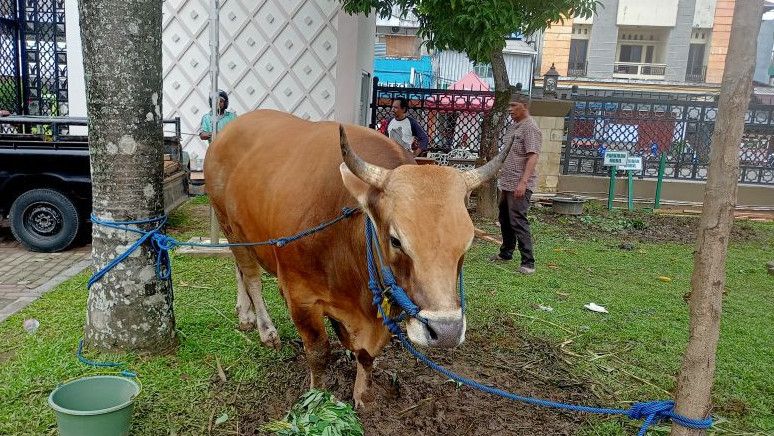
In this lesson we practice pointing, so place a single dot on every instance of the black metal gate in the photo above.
(33, 57)
(680, 129)
(452, 118)
(10, 79)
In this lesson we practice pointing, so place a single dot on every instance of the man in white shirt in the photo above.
(405, 130)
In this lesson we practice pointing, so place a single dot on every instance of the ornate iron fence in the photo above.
(10, 83)
(33, 57)
(452, 118)
(681, 129)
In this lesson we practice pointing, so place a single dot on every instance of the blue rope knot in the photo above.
(349, 211)
(649, 409)
(163, 244)
(281, 242)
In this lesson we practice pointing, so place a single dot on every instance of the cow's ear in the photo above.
(355, 186)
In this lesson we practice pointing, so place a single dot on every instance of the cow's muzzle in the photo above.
(442, 329)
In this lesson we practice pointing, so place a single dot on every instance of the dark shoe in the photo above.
(498, 258)
(527, 270)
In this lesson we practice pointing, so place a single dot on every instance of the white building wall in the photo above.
(704, 15)
(454, 65)
(647, 13)
(305, 57)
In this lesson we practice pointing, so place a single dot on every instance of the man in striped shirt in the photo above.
(517, 182)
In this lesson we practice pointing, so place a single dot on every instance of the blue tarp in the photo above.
(395, 71)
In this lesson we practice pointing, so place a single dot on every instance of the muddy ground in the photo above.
(637, 226)
(414, 400)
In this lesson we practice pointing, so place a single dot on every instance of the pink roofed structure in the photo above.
(469, 82)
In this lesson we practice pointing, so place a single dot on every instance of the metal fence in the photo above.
(680, 129)
(33, 58)
(453, 119)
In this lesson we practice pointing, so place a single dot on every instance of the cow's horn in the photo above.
(474, 178)
(371, 174)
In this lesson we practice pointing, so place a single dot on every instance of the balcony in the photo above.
(576, 69)
(634, 70)
(696, 74)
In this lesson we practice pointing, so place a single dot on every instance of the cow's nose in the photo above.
(439, 329)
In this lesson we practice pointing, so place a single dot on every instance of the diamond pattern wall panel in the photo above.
(274, 54)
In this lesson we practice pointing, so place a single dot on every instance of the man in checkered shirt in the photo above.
(517, 182)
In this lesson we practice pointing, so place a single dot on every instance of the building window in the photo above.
(578, 52)
(483, 71)
(696, 69)
(630, 53)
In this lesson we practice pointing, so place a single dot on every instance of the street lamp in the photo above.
(550, 82)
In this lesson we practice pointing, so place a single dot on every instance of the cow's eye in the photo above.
(395, 242)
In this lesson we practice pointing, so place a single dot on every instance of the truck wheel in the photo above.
(44, 220)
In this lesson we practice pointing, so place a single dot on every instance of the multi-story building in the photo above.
(676, 45)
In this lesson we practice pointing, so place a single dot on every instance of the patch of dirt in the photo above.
(637, 226)
(412, 399)
(734, 407)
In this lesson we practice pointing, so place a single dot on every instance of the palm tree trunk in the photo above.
(694, 383)
(128, 309)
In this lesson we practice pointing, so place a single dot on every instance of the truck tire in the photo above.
(44, 220)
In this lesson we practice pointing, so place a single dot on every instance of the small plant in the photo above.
(317, 413)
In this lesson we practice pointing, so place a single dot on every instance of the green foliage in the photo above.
(476, 27)
(318, 413)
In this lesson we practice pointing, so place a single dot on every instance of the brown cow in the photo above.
(270, 174)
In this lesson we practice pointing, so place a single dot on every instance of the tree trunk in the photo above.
(128, 309)
(694, 383)
(494, 121)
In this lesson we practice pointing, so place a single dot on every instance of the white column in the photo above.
(356, 35)
(76, 81)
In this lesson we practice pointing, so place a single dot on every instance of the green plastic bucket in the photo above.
(99, 405)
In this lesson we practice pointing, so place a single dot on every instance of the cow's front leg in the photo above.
(368, 343)
(309, 322)
(363, 391)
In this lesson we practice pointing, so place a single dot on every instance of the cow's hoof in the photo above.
(363, 396)
(246, 326)
(271, 339)
(364, 400)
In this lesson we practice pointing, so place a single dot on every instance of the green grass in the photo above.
(630, 354)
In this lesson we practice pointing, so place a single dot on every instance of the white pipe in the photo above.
(214, 67)
(214, 98)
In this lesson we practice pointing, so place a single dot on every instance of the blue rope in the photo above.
(125, 226)
(85, 361)
(651, 412)
(163, 244)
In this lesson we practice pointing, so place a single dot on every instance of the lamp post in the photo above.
(550, 82)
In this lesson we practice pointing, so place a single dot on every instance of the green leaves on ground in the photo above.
(318, 413)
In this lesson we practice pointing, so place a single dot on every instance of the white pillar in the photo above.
(76, 81)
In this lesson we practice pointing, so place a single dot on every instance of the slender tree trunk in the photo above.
(694, 383)
(129, 309)
(494, 121)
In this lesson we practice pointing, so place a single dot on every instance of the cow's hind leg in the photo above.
(249, 287)
(244, 307)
